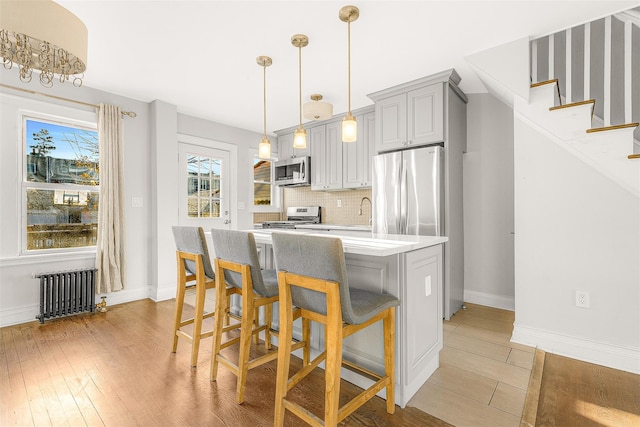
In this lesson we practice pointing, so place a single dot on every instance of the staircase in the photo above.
(586, 93)
(608, 149)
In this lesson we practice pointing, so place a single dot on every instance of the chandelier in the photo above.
(42, 35)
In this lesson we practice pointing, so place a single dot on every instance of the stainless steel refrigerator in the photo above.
(408, 198)
(408, 194)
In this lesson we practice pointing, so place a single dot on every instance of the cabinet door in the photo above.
(316, 144)
(357, 156)
(333, 156)
(391, 122)
(425, 115)
(285, 146)
(422, 308)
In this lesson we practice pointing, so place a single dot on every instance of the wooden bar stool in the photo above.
(194, 269)
(312, 276)
(237, 262)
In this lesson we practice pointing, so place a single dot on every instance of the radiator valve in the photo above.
(102, 305)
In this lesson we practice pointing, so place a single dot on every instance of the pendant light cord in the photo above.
(349, 62)
(300, 80)
(264, 86)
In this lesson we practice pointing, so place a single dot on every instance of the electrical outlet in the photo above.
(582, 299)
(339, 203)
(427, 286)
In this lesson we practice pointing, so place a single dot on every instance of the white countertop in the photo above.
(334, 227)
(361, 242)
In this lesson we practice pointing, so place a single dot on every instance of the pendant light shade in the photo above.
(264, 147)
(300, 134)
(349, 14)
(349, 129)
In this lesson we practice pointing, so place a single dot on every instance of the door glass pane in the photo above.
(203, 186)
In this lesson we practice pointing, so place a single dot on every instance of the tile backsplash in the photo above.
(347, 214)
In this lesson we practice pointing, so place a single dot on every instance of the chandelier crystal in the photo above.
(42, 36)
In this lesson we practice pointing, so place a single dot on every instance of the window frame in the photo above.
(25, 185)
(276, 190)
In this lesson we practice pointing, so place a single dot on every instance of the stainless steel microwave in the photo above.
(295, 171)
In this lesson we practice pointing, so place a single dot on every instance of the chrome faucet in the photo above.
(360, 210)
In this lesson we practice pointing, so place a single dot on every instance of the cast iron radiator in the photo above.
(66, 292)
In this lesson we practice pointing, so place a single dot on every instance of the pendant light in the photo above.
(349, 14)
(264, 148)
(300, 135)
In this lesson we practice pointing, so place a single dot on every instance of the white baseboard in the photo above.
(490, 300)
(162, 294)
(28, 313)
(612, 356)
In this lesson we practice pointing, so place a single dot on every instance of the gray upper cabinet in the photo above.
(410, 118)
(335, 165)
(358, 156)
(326, 156)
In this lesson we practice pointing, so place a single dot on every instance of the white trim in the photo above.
(613, 356)
(552, 45)
(504, 302)
(27, 313)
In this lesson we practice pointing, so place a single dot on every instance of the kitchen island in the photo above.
(408, 267)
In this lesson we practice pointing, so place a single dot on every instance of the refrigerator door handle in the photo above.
(402, 226)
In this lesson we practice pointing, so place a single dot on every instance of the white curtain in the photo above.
(110, 256)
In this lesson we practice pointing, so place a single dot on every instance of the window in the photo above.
(60, 185)
(266, 195)
(203, 193)
(262, 183)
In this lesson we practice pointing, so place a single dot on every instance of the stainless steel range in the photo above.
(296, 216)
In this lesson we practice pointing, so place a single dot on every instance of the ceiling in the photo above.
(201, 55)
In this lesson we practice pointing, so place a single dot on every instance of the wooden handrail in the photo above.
(633, 156)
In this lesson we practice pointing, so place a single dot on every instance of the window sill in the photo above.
(46, 258)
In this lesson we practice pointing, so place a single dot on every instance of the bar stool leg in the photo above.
(197, 320)
(268, 311)
(248, 313)
(389, 330)
(218, 319)
(180, 291)
(332, 367)
(306, 336)
(284, 354)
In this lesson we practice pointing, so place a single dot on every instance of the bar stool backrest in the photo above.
(319, 257)
(239, 247)
(192, 240)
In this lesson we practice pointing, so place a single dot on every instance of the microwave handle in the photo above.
(304, 169)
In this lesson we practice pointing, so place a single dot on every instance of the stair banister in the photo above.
(568, 63)
(627, 70)
(587, 61)
(607, 72)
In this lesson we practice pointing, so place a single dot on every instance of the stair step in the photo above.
(614, 127)
(574, 104)
(546, 82)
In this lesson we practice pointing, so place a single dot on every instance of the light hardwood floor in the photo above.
(483, 377)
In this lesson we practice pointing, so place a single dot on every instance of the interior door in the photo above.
(204, 189)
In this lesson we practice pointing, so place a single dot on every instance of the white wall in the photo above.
(575, 230)
(19, 293)
(151, 152)
(488, 203)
